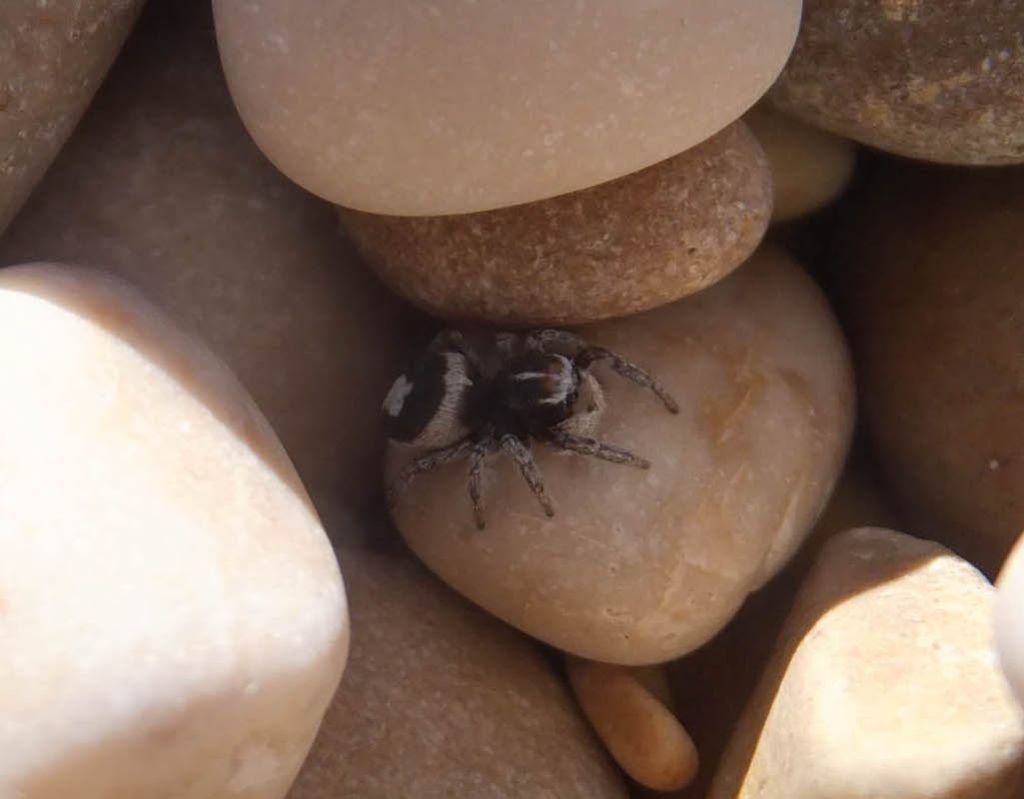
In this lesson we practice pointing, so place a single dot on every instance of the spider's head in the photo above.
(541, 383)
(425, 406)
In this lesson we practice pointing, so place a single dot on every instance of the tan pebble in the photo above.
(883, 684)
(442, 701)
(644, 737)
(939, 80)
(641, 566)
(52, 60)
(163, 187)
(929, 265)
(625, 246)
(1009, 620)
(810, 167)
(456, 107)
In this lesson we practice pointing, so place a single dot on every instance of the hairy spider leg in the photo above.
(520, 453)
(449, 340)
(476, 467)
(598, 449)
(431, 460)
(587, 355)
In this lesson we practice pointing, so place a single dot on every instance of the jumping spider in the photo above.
(449, 404)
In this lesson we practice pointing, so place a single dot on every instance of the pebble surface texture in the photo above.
(453, 107)
(1009, 622)
(172, 618)
(53, 57)
(884, 685)
(163, 187)
(440, 700)
(625, 246)
(933, 289)
(713, 685)
(941, 80)
(809, 167)
(639, 730)
(643, 566)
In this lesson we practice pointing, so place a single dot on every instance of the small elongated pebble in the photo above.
(883, 684)
(172, 618)
(641, 733)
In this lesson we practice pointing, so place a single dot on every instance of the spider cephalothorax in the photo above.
(540, 388)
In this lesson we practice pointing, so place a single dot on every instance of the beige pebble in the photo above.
(643, 566)
(929, 264)
(809, 167)
(53, 57)
(172, 617)
(712, 685)
(441, 701)
(939, 80)
(884, 684)
(641, 733)
(1009, 620)
(614, 249)
(458, 107)
(162, 186)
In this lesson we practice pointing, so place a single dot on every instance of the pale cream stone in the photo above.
(162, 186)
(172, 618)
(643, 566)
(809, 167)
(441, 701)
(641, 733)
(453, 107)
(884, 685)
(53, 57)
(1010, 619)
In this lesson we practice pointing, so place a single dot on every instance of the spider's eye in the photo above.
(425, 406)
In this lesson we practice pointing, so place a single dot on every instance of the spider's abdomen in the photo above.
(426, 406)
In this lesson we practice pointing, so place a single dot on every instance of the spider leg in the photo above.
(431, 460)
(598, 449)
(476, 494)
(520, 453)
(539, 339)
(591, 355)
(450, 340)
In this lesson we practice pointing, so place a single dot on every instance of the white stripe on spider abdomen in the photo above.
(424, 408)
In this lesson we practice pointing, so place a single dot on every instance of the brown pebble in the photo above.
(624, 246)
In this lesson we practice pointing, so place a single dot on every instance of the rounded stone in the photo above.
(941, 80)
(932, 284)
(164, 188)
(641, 733)
(171, 613)
(625, 246)
(53, 57)
(398, 108)
(809, 167)
(642, 566)
(441, 700)
(1009, 625)
(883, 683)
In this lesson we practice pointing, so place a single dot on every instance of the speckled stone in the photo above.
(941, 80)
(809, 167)
(884, 684)
(53, 57)
(440, 701)
(625, 246)
(172, 617)
(930, 269)
(162, 186)
(643, 566)
(456, 107)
